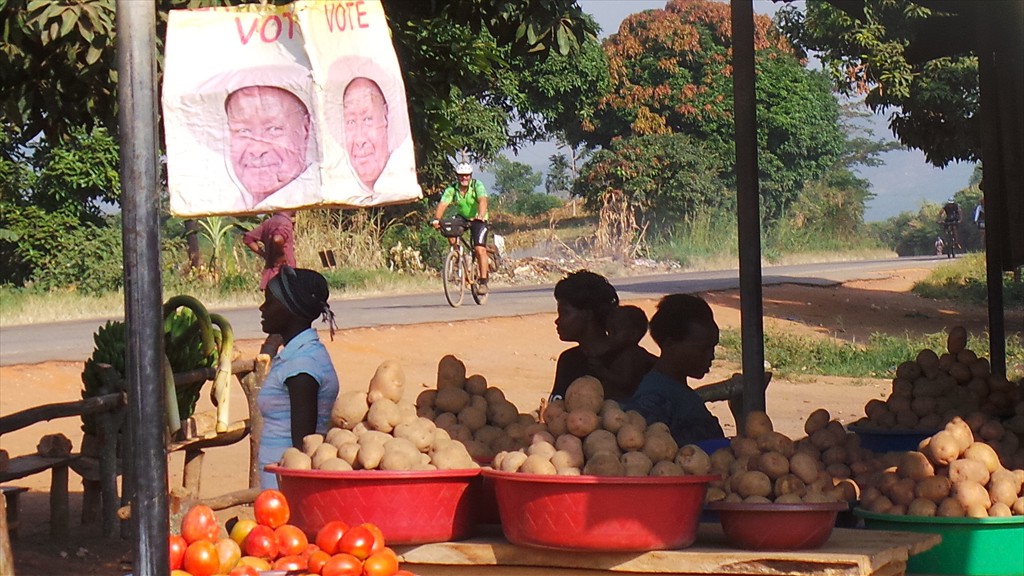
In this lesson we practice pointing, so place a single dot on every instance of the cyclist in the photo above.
(470, 198)
(950, 217)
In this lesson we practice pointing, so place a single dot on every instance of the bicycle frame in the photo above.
(461, 269)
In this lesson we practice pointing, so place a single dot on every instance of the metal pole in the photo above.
(748, 206)
(137, 119)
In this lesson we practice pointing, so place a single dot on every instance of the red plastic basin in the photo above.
(409, 507)
(599, 513)
(777, 526)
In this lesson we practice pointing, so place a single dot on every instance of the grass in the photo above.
(876, 358)
(964, 278)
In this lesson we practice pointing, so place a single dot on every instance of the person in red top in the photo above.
(273, 240)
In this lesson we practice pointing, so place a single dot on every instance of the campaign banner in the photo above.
(268, 108)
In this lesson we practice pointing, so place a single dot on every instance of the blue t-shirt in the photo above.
(660, 398)
(304, 354)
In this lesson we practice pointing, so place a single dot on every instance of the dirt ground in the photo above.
(516, 354)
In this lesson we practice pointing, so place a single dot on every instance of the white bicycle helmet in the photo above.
(463, 168)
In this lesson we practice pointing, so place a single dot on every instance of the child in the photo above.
(684, 328)
(623, 361)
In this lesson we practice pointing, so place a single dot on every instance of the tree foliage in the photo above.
(671, 73)
(933, 105)
(668, 177)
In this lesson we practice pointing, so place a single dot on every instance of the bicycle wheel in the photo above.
(473, 273)
(453, 278)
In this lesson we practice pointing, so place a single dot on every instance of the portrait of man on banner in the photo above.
(368, 118)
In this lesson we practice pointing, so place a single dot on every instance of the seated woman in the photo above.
(301, 386)
(586, 300)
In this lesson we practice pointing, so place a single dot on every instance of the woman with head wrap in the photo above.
(301, 386)
(585, 301)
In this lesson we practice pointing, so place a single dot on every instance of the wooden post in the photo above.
(251, 385)
(110, 427)
(6, 556)
(192, 473)
(59, 515)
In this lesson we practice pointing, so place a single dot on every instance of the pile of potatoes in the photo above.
(377, 430)
(585, 434)
(930, 390)
(765, 466)
(950, 475)
(475, 414)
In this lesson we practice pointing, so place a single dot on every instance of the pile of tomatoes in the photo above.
(270, 543)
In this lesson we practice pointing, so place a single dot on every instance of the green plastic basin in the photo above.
(970, 546)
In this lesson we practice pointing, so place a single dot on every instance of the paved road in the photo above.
(72, 341)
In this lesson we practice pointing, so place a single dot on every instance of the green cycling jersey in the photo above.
(467, 205)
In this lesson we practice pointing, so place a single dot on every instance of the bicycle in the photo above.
(951, 240)
(461, 266)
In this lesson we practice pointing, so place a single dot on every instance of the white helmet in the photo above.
(463, 168)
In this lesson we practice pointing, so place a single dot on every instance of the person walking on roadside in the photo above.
(273, 240)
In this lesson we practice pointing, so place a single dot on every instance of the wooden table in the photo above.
(849, 552)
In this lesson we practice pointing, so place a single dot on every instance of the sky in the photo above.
(902, 184)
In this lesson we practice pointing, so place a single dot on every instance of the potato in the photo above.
(776, 442)
(419, 432)
(804, 467)
(584, 393)
(612, 418)
(660, 446)
(511, 461)
(934, 488)
(789, 484)
(666, 468)
(322, 453)
(369, 455)
(1018, 507)
(1003, 490)
(756, 424)
(335, 465)
(310, 443)
(558, 424)
(476, 385)
(452, 455)
(451, 373)
(943, 448)
(473, 417)
(965, 469)
(600, 441)
(630, 437)
(537, 464)
(744, 446)
(773, 464)
(451, 399)
(349, 409)
(817, 420)
(637, 419)
(339, 436)
(720, 460)
(915, 465)
(788, 499)
(693, 460)
(349, 452)
(541, 449)
(881, 505)
(956, 340)
(573, 445)
(582, 422)
(902, 492)
(295, 459)
(922, 507)
(399, 454)
(604, 464)
(383, 415)
(753, 483)
(388, 381)
(970, 494)
(563, 459)
(501, 412)
(636, 463)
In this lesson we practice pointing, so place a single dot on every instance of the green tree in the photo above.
(667, 177)
(559, 179)
(932, 105)
(672, 74)
(512, 178)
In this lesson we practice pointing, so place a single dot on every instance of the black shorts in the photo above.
(477, 231)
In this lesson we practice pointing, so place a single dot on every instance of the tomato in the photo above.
(199, 523)
(310, 548)
(241, 529)
(271, 508)
(289, 563)
(261, 543)
(315, 562)
(291, 541)
(244, 570)
(259, 564)
(228, 553)
(403, 573)
(201, 558)
(179, 573)
(378, 537)
(176, 550)
(327, 537)
(342, 565)
(357, 541)
(383, 563)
